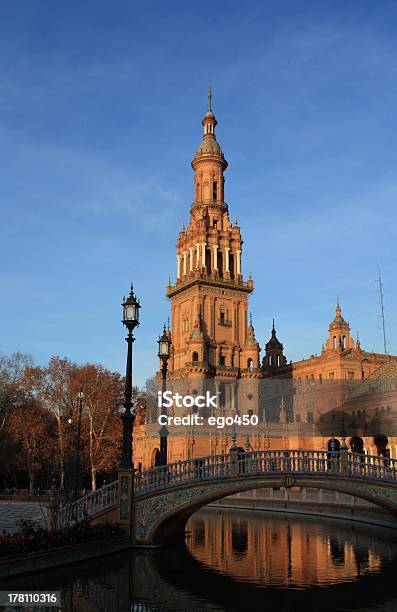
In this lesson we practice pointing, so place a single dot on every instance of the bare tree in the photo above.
(12, 392)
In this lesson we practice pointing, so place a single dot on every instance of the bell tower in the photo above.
(339, 338)
(274, 355)
(211, 335)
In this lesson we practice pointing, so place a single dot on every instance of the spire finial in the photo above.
(209, 99)
(337, 301)
(273, 328)
(250, 319)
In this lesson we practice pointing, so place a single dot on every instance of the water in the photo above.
(240, 560)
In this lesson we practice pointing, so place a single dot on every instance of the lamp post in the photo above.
(80, 397)
(164, 354)
(131, 308)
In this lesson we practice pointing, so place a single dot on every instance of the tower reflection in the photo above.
(275, 549)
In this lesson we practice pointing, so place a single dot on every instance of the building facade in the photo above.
(214, 345)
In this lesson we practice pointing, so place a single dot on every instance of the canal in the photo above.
(240, 560)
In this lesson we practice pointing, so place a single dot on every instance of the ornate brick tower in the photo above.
(339, 332)
(274, 355)
(211, 336)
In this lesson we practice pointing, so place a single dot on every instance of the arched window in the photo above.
(381, 441)
(155, 458)
(344, 342)
(250, 364)
(208, 260)
(231, 265)
(356, 444)
(334, 342)
(195, 357)
(278, 360)
(214, 190)
(220, 261)
(333, 443)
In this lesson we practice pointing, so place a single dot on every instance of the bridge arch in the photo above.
(165, 497)
(162, 518)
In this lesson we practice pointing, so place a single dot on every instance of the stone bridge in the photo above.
(165, 497)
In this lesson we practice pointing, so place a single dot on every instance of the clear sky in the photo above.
(100, 115)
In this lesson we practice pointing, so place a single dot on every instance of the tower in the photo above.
(339, 338)
(274, 355)
(209, 300)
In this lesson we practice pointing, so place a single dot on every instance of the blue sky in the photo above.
(100, 111)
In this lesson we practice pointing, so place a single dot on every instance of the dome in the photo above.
(274, 342)
(209, 146)
(338, 322)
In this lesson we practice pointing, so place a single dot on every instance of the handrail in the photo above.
(356, 465)
(231, 465)
(88, 505)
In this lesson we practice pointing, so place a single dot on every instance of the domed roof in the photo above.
(274, 342)
(209, 146)
(338, 320)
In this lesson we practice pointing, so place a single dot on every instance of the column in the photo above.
(202, 254)
(215, 257)
(190, 259)
(238, 262)
(198, 255)
(227, 249)
(178, 266)
(184, 262)
(233, 397)
(217, 394)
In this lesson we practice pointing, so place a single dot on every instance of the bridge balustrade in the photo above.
(267, 462)
(372, 466)
(232, 465)
(260, 462)
(94, 502)
(216, 466)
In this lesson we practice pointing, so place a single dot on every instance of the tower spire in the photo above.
(338, 308)
(209, 99)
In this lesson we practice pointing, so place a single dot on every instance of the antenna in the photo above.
(382, 310)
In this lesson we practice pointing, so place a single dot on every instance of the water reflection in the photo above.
(283, 551)
(239, 561)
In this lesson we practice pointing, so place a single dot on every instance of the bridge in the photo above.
(166, 496)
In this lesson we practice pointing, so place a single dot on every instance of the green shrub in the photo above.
(32, 538)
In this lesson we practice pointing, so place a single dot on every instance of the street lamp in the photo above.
(80, 397)
(164, 354)
(131, 308)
